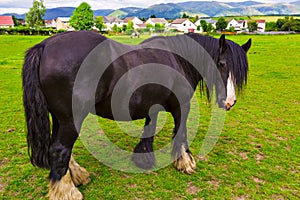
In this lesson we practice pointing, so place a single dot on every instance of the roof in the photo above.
(159, 20)
(128, 19)
(111, 19)
(179, 21)
(6, 21)
(64, 19)
(143, 25)
(261, 21)
(49, 21)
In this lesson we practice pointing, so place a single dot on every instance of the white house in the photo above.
(261, 25)
(240, 25)
(154, 21)
(136, 21)
(50, 23)
(110, 21)
(237, 24)
(184, 25)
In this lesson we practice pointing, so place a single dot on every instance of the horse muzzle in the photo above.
(229, 104)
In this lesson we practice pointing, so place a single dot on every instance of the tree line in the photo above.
(284, 24)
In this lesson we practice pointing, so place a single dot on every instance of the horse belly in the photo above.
(140, 103)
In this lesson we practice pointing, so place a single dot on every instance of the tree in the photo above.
(194, 19)
(130, 25)
(149, 26)
(209, 28)
(16, 21)
(34, 17)
(159, 27)
(152, 16)
(221, 24)
(271, 26)
(99, 23)
(83, 17)
(124, 27)
(289, 25)
(252, 26)
(231, 29)
(281, 22)
(203, 25)
(116, 29)
(184, 15)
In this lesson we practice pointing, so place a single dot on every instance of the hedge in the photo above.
(22, 30)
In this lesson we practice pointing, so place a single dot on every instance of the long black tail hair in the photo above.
(36, 109)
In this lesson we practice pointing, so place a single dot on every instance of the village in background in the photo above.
(83, 19)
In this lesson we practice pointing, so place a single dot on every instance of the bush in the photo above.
(24, 30)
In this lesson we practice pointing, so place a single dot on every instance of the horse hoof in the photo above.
(79, 175)
(64, 189)
(185, 163)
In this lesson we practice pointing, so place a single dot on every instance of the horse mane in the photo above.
(239, 65)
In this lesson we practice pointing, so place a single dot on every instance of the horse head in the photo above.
(233, 67)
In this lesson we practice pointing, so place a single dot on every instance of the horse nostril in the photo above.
(233, 103)
(228, 106)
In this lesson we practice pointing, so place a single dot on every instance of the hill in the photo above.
(200, 8)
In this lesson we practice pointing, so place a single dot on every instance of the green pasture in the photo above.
(256, 157)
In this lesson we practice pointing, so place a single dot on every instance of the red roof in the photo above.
(179, 21)
(260, 21)
(6, 21)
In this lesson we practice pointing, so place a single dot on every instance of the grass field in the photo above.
(256, 157)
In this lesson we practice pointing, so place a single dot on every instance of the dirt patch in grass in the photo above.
(192, 189)
(244, 155)
(2, 185)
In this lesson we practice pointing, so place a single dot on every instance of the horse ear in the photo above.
(222, 44)
(247, 46)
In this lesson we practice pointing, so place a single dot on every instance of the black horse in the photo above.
(73, 74)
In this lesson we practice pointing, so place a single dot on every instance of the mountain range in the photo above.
(191, 8)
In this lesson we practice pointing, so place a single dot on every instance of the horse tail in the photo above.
(36, 109)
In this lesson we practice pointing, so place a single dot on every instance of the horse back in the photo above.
(62, 57)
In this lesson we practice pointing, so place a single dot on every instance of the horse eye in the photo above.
(222, 64)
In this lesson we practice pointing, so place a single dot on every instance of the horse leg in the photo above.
(61, 185)
(79, 174)
(143, 155)
(182, 157)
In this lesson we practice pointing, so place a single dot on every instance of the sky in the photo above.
(22, 6)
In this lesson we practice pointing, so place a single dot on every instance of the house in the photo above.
(6, 22)
(63, 23)
(50, 23)
(154, 21)
(136, 21)
(261, 25)
(184, 25)
(111, 21)
(142, 26)
(238, 25)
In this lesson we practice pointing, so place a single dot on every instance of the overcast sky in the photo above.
(22, 6)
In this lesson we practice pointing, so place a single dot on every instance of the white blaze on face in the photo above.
(230, 100)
